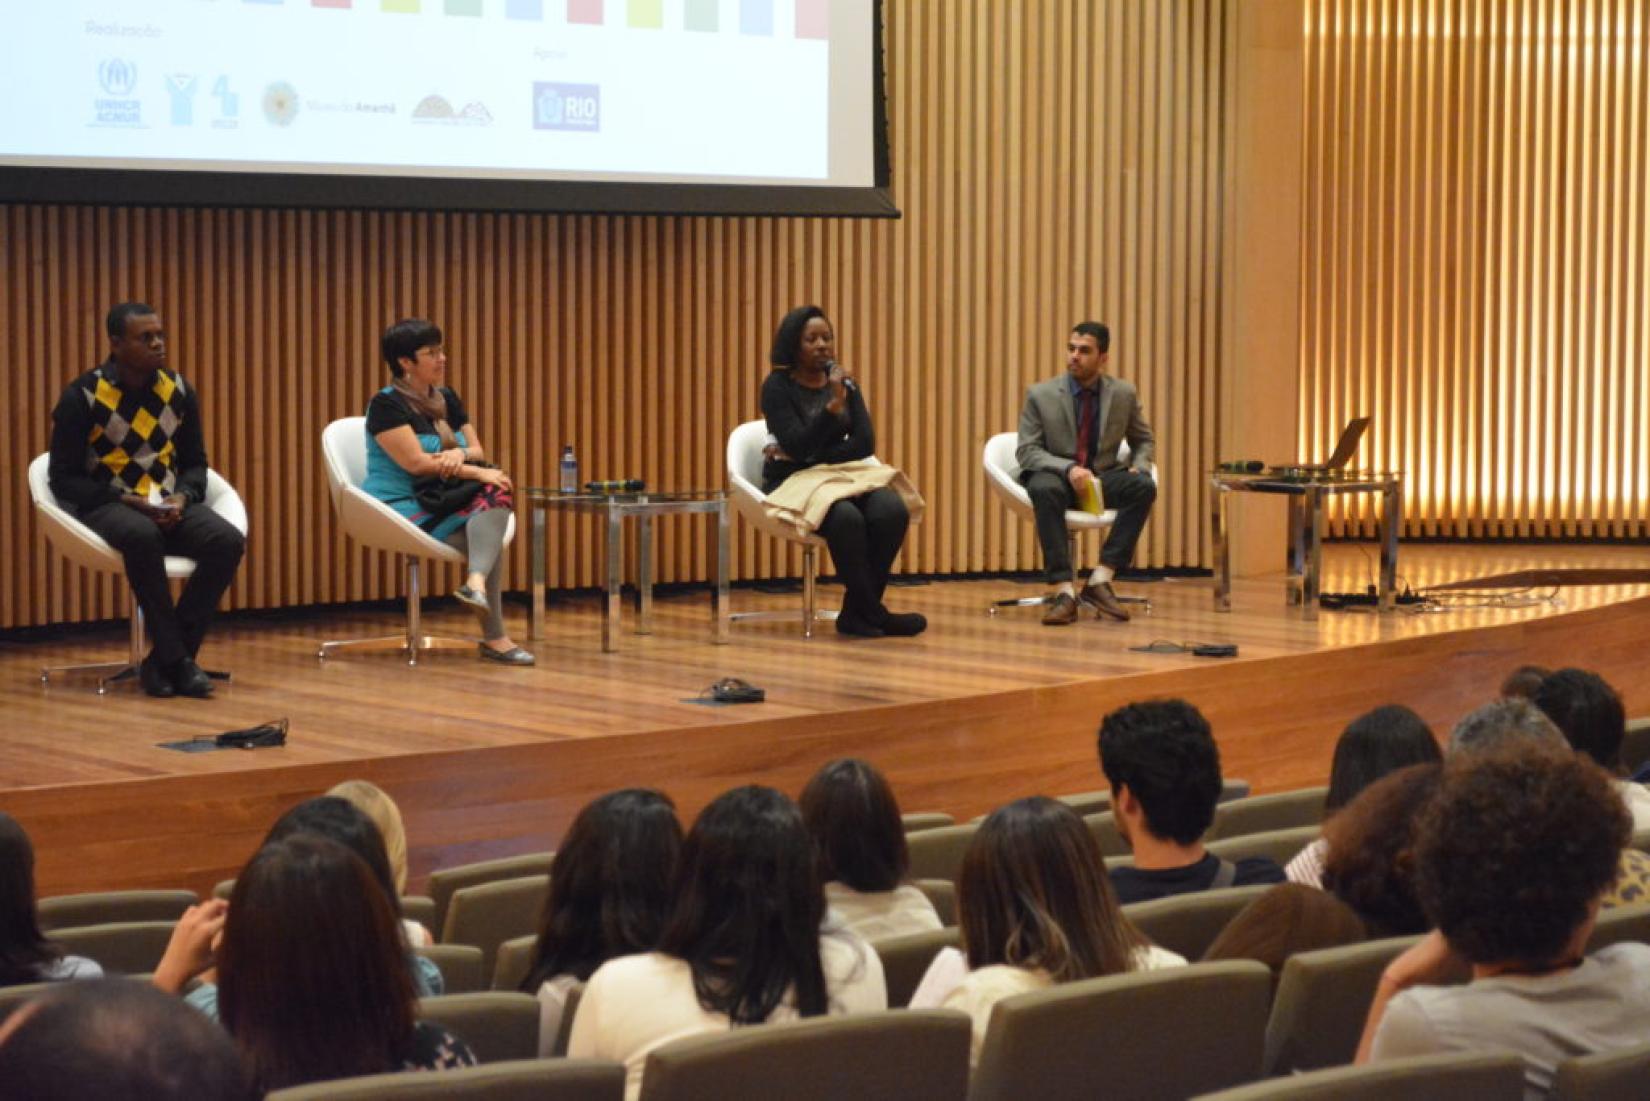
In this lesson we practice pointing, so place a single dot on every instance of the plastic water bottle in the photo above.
(569, 470)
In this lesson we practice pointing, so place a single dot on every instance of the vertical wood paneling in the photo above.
(1474, 259)
(1054, 162)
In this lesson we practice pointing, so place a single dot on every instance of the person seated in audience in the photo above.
(743, 943)
(1511, 860)
(609, 894)
(26, 955)
(312, 970)
(1287, 919)
(374, 802)
(1369, 853)
(114, 1038)
(1521, 682)
(851, 812)
(1588, 712)
(1036, 909)
(1164, 770)
(340, 821)
(1372, 745)
(1508, 722)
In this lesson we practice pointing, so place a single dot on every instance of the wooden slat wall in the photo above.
(1054, 161)
(1476, 257)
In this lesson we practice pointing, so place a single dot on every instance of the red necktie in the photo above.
(1085, 426)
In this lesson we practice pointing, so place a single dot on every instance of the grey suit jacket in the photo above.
(1048, 427)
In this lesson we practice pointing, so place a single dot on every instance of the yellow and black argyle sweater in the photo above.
(131, 442)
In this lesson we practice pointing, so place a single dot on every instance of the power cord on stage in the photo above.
(1197, 649)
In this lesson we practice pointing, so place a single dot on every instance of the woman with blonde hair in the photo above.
(374, 802)
(1036, 908)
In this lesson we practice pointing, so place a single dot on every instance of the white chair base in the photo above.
(112, 674)
(412, 642)
(809, 613)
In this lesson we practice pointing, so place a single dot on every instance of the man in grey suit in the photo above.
(1070, 430)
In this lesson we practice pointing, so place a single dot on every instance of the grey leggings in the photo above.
(481, 540)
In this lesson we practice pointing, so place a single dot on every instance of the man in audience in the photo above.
(1499, 723)
(128, 457)
(1511, 859)
(1164, 770)
(116, 1038)
(1589, 714)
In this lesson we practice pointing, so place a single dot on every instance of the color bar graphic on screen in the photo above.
(331, 3)
(463, 7)
(813, 19)
(701, 15)
(584, 11)
(409, 7)
(264, 1)
(524, 9)
(756, 17)
(645, 13)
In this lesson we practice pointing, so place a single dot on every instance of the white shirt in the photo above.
(1637, 798)
(635, 1004)
(878, 914)
(552, 996)
(1307, 866)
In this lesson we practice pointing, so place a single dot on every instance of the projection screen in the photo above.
(678, 106)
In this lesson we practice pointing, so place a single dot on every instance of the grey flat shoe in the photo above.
(476, 602)
(515, 655)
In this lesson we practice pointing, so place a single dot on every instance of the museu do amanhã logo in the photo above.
(280, 103)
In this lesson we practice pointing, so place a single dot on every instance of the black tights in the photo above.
(865, 534)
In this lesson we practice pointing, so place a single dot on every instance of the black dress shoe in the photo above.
(904, 624)
(849, 623)
(155, 680)
(190, 679)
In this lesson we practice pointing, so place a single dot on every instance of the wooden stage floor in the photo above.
(487, 760)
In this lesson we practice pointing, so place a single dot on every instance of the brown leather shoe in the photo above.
(1104, 602)
(1061, 610)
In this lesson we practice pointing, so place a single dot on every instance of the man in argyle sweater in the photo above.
(128, 457)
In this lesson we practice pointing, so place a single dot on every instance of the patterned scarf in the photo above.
(432, 405)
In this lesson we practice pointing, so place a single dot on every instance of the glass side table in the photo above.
(642, 507)
(1308, 494)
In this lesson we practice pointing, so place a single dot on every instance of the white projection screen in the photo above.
(642, 106)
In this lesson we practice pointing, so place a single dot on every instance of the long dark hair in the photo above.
(609, 885)
(24, 950)
(313, 979)
(748, 908)
(852, 815)
(1033, 893)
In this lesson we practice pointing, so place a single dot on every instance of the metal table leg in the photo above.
(1392, 511)
(1315, 498)
(615, 573)
(1218, 515)
(1295, 553)
(719, 605)
(540, 549)
(644, 574)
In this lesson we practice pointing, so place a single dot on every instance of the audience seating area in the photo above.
(1253, 1043)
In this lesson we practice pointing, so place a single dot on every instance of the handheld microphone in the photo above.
(831, 368)
(618, 485)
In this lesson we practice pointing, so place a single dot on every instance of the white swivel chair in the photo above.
(745, 445)
(85, 547)
(1002, 472)
(373, 523)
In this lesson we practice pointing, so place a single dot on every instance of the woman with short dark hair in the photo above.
(1036, 908)
(609, 896)
(743, 943)
(816, 414)
(420, 434)
(851, 813)
(1512, 859)
(26, 955)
